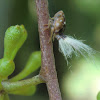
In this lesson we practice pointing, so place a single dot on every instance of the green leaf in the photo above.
(98, 96)
(26, 91)
(32, 65)
(14, 39)
(6, 67)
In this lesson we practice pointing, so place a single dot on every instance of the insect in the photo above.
(67, 44)
(57, 24)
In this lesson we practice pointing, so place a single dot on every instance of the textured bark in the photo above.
(48, 71)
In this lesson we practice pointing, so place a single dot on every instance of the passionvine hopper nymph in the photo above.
(67, 44)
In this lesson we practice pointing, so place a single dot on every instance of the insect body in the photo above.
(67, 44)
(57, 24)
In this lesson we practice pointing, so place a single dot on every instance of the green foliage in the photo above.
(98, 96)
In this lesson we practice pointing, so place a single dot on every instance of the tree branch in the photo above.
(48, 71)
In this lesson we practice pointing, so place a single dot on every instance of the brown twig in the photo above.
(48, 71)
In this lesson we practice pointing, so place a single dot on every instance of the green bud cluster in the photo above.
(14, 38)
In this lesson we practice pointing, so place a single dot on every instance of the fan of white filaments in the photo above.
(68, 46)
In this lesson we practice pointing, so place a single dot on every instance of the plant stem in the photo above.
(13, 86)
(48, 71)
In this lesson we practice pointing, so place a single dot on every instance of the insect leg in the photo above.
(52, 33)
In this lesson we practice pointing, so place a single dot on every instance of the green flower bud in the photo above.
(14, 39)
(6, 67)
(32, 65)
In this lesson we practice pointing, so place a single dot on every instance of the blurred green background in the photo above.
(80, 80)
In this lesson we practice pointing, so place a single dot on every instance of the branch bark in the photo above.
(48, 71)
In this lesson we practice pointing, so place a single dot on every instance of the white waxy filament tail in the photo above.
(68, 46)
